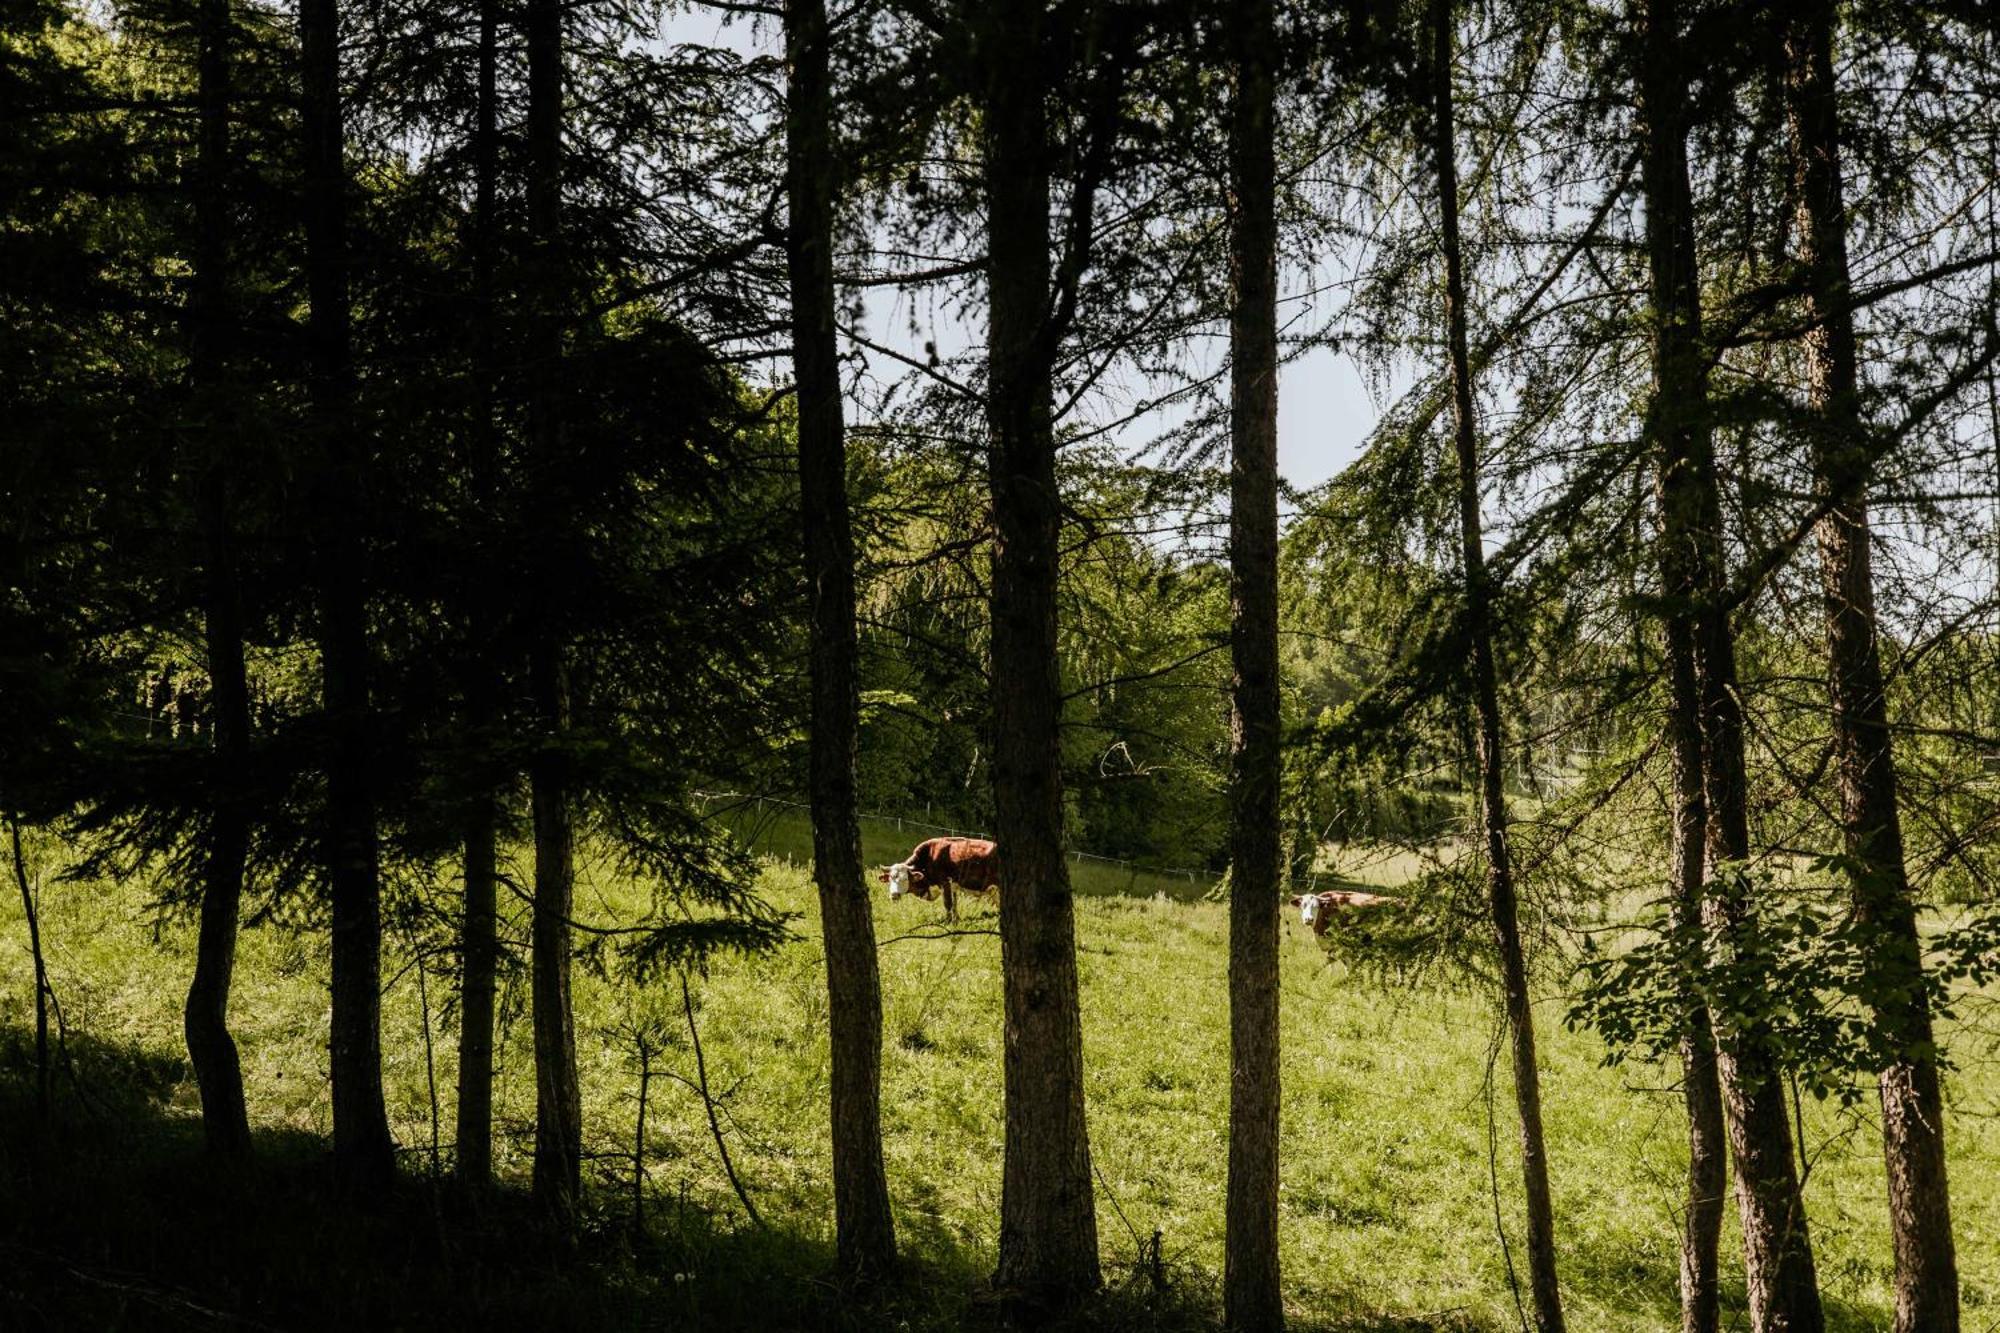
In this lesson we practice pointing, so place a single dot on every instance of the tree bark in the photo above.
(1486, 706)
(31, 912)
(364, 1153)
(1252, 1297)
(479, 957)
(205, 1018)
(1048, 1214)
(1778, 1271)
(558, 1101)
(864, 1226)
(1677, 421)
(479, 944)
(1864, 761)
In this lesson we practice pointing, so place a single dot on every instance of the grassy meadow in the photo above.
(1395, 1141)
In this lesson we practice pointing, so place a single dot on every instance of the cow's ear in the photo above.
(884, 876)
(1296, 900)
(916, 875)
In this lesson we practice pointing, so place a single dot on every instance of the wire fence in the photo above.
(906, 824)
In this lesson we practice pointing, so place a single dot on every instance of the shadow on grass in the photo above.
(113, 1217)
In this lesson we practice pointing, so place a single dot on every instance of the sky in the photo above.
(1325, 412)
(1325, 415)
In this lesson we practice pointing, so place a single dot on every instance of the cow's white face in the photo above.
(899, 880)
(1309, 908)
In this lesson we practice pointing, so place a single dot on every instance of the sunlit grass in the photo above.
(1394, 1143)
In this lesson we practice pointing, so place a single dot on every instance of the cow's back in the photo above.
(974, 863)
(933, 858)
(967, 862)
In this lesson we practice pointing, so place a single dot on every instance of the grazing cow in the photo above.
(1317, 909)
(939, 864)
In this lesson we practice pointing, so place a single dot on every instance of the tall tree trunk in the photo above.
(479, 958)
(1486, 705)
(1677, 420)
(1252, 1299)
(364, 1153)
(1048, 1214)
(31, 912)
(1777, 1246)
(1778, 1270)
(1864, 761)
(558, 1101)
(1779, 1277)
(864, 1226)
(205, 1018)
(479, 943)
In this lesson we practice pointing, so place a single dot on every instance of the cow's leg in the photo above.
(950, 902)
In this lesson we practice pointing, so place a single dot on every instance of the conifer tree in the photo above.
(1251, 1293)
(1478, 637)
(558, 1099)
(864, 1226)
(211, 1050)
(363, 1149)
(1871, 827)
(479, 944)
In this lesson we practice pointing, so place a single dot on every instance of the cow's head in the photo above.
(1309, 906)
(902, 878)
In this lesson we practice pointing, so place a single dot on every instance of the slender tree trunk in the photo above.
(1048, 1214)
(205, 1018)
(1252, 1299)
(558, 1101)
(639, 1144)
(1701, 1080)
(479, 943)
(1678, 422)
(865, 1228)
(1702, 676)
(479, 957)
(1778, 1270)
(31, 911)
(1778, 1262)
(1865, 767)
(364, 1153)
(1486, 707)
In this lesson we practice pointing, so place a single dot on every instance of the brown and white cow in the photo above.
(1317, 909)
(937, 865)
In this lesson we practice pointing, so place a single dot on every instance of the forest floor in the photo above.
(1398, 1139)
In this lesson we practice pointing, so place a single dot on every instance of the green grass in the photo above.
(1389, 1137)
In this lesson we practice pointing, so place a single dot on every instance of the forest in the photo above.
(1000, 664)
